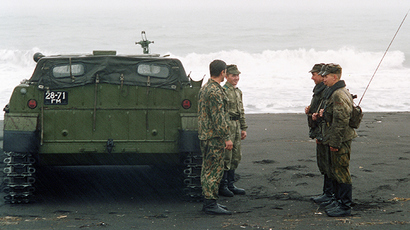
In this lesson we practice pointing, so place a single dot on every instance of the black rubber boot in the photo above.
(223, 186)
(327, 191)
(328, 203)
(334, 203)
(344, 193)
(212, 208)
(231, 186)
(331, 205)
(220, 205)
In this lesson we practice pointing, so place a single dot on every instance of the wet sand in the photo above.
(278, 171)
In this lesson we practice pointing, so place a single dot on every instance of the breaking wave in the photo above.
(272, 81)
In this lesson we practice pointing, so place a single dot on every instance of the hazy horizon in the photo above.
(274, 43)
(28, 6)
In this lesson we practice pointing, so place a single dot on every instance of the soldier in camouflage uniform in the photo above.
(214, 136)
(338, 135)
(237, 132)
(315, 132)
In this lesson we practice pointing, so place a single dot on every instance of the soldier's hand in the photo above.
(333, 149)
(228, 145)
(243, 135)
(307, 109)
(315, 116)
(321, 111)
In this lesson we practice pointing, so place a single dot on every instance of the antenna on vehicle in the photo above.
(144, 43)
(371, 79)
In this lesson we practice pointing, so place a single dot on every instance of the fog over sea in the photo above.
(273, 43)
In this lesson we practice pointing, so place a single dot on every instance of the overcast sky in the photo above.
(31, 5)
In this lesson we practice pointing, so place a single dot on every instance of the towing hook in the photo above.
(110, 145)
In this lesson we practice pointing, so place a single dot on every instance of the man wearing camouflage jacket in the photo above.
(214, 137)
(237, 132)
(338, 135)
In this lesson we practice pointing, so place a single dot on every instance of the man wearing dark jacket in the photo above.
(315, 132)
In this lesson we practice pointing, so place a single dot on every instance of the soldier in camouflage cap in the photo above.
(237, 132)
(232, 69)
(338, 136)
(214, 136)
(315, 132)
(316, 68)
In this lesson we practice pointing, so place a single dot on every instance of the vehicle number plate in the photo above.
(55, 97)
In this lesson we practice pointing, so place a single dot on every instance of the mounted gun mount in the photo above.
(144, 43)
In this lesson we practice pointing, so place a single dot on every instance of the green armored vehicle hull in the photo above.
(101, 109)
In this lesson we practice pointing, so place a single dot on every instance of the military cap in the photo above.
(316, 68)
(322, 70)
(232, 69)
(332, 68)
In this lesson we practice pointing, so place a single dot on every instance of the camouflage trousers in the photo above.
(213, 152)
(339, 163)
(234, 156)
(323, 159)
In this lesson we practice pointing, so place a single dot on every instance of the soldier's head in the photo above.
(232, 74)
(332, 74)
(217, 69)
(316, 77)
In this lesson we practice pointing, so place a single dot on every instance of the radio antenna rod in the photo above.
(371, 79)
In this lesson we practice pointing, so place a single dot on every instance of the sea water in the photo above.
(273, 44)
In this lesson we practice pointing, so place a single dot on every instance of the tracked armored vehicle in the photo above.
(101, 109)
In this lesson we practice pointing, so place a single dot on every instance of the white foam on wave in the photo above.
(272, 81)
(277, 81)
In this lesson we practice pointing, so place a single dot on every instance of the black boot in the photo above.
(329, 203)
(231, 186)
(213, 208)
(344, 193)
(220, 205)
(334, 203)
(327, 191)
(223, 186)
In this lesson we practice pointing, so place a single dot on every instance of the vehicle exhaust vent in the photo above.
(104, 52)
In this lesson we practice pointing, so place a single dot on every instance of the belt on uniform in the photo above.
(234, 118)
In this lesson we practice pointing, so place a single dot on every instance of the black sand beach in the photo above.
(278, 171)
